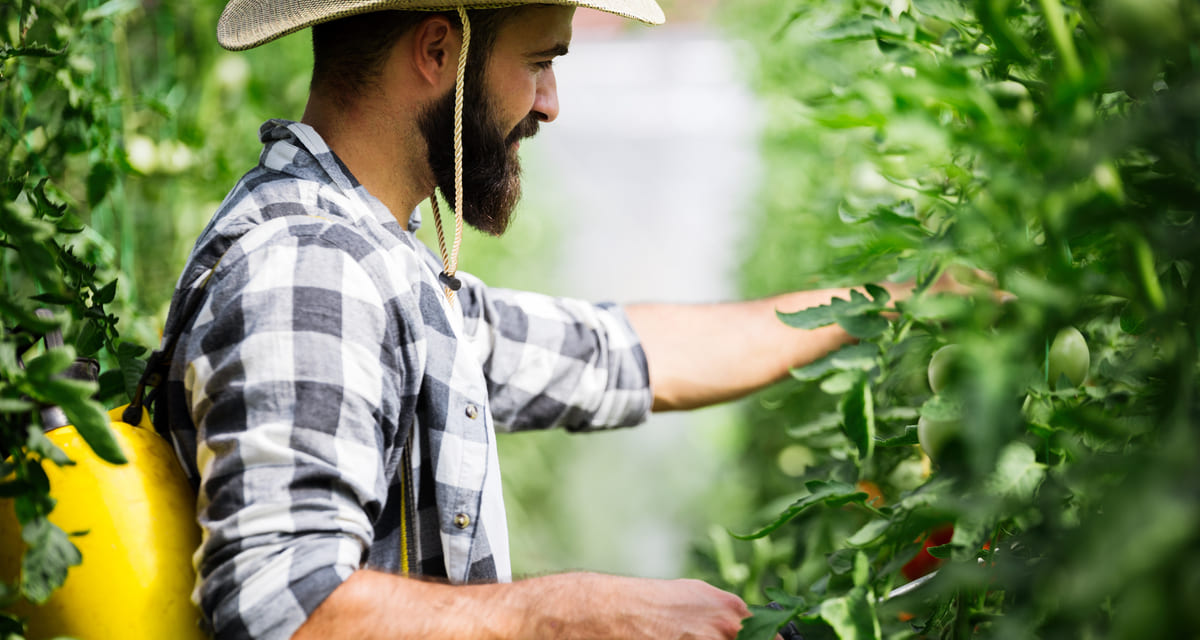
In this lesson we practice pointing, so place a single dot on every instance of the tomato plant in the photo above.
(1053, 144)
(61, 163)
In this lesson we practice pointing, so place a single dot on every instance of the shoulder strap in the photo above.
(158, 365)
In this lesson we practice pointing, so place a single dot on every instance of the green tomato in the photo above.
(941, 366)
(910, 473)
(934, 434)
(1069, 356)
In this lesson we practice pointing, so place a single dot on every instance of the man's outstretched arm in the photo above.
(576, 606)
(709, 353)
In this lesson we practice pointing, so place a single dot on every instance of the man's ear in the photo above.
(435, 46)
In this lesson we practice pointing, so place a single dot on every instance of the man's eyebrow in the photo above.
(559, 49)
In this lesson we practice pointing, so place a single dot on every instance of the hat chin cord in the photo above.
(450, 259)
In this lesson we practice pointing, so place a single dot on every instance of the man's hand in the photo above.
(572, 606)
(595, 607)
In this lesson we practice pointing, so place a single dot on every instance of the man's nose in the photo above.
(545, 103)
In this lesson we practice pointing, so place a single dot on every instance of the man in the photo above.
(334, 389)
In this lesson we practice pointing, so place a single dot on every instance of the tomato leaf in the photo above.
(947, 10)
(38, 443)
(31, 51)
(54, 298)
(862, 569)
(99, 182)
(934, 308)
(90, 339)
(9, 367)
(1018, 474)
(785, 599)
(858, 417)
(942, 551)
(62, 390)
(852, 616)
(765, 622)
(89, 419)
(862, 356)
(20, 312)
(820, 492)
(48, 364)
(827, 314)
(841, 561)
(112, 385)
(869, 533)
(864, 327)
(132, 366)
(110, 9)
(908, 438)
(107, 293)
(45, 563)
(878, 294)
(824, 423)
(940, 407)
(841, 382)
(16, 405)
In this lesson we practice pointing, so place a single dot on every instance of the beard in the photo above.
(491, 168)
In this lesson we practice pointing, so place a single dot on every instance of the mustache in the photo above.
(527, 128)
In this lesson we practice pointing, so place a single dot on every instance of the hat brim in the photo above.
(246, 24)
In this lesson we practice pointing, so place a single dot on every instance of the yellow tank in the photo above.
(136, 579)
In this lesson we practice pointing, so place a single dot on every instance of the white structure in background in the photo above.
(655, 150)
(656, 145)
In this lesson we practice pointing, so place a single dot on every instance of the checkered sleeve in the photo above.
(285, 373)
(556, 361)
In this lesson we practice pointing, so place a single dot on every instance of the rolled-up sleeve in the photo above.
(554, 362)
(284, 382)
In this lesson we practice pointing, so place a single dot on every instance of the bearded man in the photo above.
(334, 387)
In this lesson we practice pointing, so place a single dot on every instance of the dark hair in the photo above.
(349, 53)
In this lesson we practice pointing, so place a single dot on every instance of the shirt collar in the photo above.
(283, 138)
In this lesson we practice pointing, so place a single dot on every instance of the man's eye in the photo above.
(545, 64)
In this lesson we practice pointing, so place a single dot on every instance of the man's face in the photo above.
(504, 102)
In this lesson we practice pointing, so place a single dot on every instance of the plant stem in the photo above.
(1144, 257)
(904, 329)
(1056, 21)
(962, 618)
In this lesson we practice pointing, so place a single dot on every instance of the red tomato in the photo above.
(923, 563)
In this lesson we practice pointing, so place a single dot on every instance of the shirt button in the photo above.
(472, 411)
(462, 520)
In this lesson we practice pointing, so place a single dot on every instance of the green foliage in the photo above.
(1056, 146)
(62, 163)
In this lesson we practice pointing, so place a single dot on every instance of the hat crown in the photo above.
(249, 23)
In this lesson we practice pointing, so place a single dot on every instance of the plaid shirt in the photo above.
(323, 340)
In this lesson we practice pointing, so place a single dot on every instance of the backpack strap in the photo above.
(158, 365)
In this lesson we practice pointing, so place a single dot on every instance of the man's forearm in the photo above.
(705, 354)
(578, 606)
(372, 604)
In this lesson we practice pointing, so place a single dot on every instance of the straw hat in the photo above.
(248, 23)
